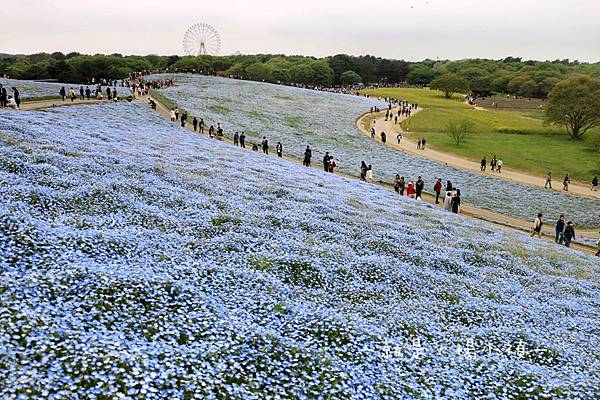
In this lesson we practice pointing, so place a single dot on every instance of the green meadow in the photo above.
(519, 137)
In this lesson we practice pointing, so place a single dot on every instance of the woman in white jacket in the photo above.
(448, 202)
(370, 174)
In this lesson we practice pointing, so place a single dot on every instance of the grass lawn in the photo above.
(519, 137)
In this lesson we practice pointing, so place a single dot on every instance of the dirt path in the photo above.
(39, 105)
(466, 210)
(470, 211)
(410, 147)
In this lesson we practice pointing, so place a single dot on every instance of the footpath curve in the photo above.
(466, 210)
(409, 146)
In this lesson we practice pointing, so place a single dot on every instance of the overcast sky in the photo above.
(402, 29)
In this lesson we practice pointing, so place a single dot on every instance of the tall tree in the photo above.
(450, 84)
(575, 104)
(350, 78)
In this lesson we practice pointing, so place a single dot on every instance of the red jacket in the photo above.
(437, 187)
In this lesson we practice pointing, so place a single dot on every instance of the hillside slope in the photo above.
(140, 260)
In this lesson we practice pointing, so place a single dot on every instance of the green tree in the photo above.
(459, 130)
(322, 72)
(420, 75)
(450, 84)
(350, 78)
(302, 73)
(575, 104)
(259, 72)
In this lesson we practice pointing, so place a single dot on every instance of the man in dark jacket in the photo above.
(326, 162)
(560, 228)
(307, 156)
(569, 234)
(419, 185)
(3, 96)
(63, 93)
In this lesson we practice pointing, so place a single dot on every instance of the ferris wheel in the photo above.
(201, 39)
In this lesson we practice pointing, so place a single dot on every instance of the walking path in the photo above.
(409, 146)
(39, 105)
(466, 210)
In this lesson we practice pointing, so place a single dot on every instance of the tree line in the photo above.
(479, 76)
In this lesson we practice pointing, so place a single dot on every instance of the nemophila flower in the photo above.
(140, 261)
(327, 122)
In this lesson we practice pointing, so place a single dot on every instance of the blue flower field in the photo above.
(139, 261)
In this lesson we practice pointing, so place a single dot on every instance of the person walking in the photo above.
(448, 201)
(17, 97)
(81, 93)
(331, 165)
(559, 229)
(537, 226)
(172, 115)
(195, 124)
(595, 184)
(419, 145)
(423, 142)
(183, 119)
(243, 140)
(372, 133)
(493, 163)
(419, 185)
(483, 164)
(265, 145)
(176, 112)
(566, 182)
(236, 139)
(326, 162)
(307, 156)
(363, 171)
(201, 126)
(3, 96)
(399, 138)
(410, 190)
(456, 202)
(548, 184)
(88, 93)
(383, 137)
(397, 183)
(63, 93)
(437, 188)
(569, 234)
(370, 173)
(279, 149)
(401, 186)
(449, 186)
(499, 166)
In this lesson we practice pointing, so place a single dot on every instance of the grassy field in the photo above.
(519, 137)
